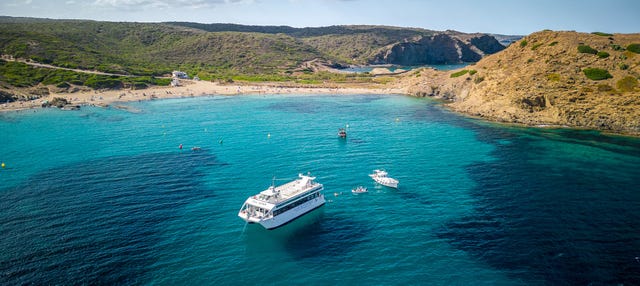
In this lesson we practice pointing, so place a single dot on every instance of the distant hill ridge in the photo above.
(216, 49)
(367, 44)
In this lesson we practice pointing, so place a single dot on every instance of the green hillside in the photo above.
(217, 51)
(149, 49)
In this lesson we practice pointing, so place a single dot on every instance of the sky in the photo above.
(515, 17)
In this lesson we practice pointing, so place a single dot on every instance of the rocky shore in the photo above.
(546, 79)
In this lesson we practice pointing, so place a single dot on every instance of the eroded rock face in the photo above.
(6, 97)
(487, 44)
(438, 49)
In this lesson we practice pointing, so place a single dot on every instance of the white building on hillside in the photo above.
(180, 74)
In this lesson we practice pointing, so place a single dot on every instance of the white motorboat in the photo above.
(359, 190)
(279, 205)
(381, 177)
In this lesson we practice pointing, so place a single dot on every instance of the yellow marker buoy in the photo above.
(3, 165)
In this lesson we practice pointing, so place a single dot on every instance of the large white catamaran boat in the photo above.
(279, 205)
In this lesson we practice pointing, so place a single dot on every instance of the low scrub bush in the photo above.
(536, 46)
(635, 48)
(553, 77)
(553, 44)
(603, 55)
(628, 55)
(585, 49)
(523, 43)
(628, 83)
(596, 73)
(98, 82)
(602, 34)
(460, 73)
(616, 47)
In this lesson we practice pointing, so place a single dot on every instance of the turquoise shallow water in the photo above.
(104, 196)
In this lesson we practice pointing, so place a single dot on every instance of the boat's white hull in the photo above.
(286, 217)
(387, 182)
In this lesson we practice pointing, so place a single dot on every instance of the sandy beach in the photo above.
(188, 88)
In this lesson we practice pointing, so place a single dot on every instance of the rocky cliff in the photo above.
(443, 48)
(549, 78)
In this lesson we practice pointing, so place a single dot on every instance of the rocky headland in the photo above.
(548, 78)
(442, 48)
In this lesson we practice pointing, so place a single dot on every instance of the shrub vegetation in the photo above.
(460, 73)
(553, 77)
(596, 73)
(523, 43)
(22, 75)
(585, 49)
(628, 83)
(536, 46)
(634, 48)
(603, 55)
(602, 34)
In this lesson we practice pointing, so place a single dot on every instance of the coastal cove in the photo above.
(105, 196)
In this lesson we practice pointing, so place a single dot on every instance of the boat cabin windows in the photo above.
(296, 203)
(254, 210)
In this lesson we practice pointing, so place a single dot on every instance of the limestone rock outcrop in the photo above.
(546, 79)
(443, 48)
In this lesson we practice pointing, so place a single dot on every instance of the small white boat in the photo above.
(359, 190)
(381, 177)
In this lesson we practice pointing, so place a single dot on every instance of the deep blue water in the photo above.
(104, 196)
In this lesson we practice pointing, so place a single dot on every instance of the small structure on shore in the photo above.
(179, 74)
(175, 82)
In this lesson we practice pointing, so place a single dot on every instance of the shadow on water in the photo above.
(366, 98)
(313, 237)
(59, 229)
(297, 106)
(312, 104)
(101, 116)
(547, 221)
